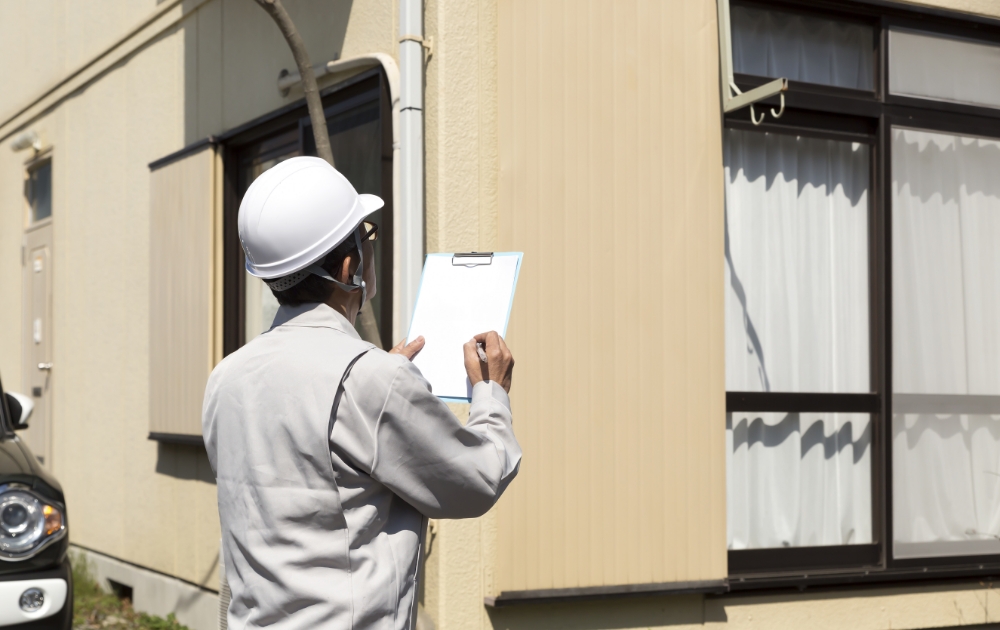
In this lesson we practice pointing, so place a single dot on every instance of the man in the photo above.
(330, 454)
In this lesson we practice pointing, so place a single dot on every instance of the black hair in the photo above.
(314, 288)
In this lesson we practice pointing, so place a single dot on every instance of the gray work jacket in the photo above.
(329, 454)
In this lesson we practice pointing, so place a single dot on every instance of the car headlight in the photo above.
(28, 523)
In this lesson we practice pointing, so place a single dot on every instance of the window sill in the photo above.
(834, 580)
(757, 584)
(177, 438)
(591, 593)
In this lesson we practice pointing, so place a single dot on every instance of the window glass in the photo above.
(802, 48)
(944, 68)
(798, 479)
(260, 304)
(356, 142)
(40, 192)
(946, 344)
(796, 248)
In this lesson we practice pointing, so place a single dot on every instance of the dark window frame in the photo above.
(357, 90)
(867, 117)
(35, 164)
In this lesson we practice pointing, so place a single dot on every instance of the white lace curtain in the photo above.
(796, 321)
(797, 308)
(802, 48)
(946, 344)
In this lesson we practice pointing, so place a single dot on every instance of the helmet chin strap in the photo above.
(357, 282)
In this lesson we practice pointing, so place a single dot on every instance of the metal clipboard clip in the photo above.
(472, 259)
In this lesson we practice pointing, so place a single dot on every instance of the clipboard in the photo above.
(461, 295)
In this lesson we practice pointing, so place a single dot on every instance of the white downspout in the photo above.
(409, 230)
(406, 90)
(401, 296)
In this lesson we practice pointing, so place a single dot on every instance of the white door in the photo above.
(37, 336)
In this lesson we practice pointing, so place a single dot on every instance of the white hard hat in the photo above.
(297, 212)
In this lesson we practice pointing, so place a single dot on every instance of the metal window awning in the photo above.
(732, 97)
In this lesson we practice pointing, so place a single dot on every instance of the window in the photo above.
(797, 321)
(802, 47)
(862, 336)
(946, 350)
(358, 121)
(38, 190)
(946, 68)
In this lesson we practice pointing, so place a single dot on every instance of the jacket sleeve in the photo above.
(425, 455)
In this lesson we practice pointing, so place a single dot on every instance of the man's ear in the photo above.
(344, 274)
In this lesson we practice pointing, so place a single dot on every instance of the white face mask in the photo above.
(357, 282)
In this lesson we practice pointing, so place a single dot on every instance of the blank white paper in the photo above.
(456, 303)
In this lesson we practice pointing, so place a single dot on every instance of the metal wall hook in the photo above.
(776, 114)
(781, 110)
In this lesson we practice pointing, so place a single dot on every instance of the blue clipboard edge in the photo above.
(510, 307)
(449, 399)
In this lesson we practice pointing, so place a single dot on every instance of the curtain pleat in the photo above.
(797, 321)
(946, 344)
(802, 48)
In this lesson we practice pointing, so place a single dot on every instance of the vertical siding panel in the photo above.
(511, 520)
(182, 340)
(590, 320)
(611, 183)
(712, 442)
(651, 525)
(627, 325)
(612, 178)
(603, 187)
(530, 125)
(673, 258)
(547, 195)
(574, 425)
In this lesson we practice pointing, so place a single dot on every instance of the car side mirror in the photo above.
(20, 410)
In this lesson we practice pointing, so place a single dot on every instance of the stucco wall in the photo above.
(126, 496)
(234, 53)
(44, 40)
(213, 67)
(462, 172)
(987, 8)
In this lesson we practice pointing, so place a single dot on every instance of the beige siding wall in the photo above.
(185, 318)
(210, 65)
(611, 183)
(466, 558)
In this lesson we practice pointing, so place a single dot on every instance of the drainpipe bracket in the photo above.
(426, 42)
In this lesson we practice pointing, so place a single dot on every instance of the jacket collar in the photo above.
(313, 315)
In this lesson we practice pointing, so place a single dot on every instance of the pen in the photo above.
(481, 349)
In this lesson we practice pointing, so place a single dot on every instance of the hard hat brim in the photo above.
(365, 206)
(370, 203)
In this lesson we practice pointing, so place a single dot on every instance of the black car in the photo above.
(36, 585)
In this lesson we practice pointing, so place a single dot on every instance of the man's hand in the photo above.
(499, 365)
(408, 350)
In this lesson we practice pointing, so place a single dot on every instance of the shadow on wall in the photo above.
(638, 612)
(184, 461)
(234, 53)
